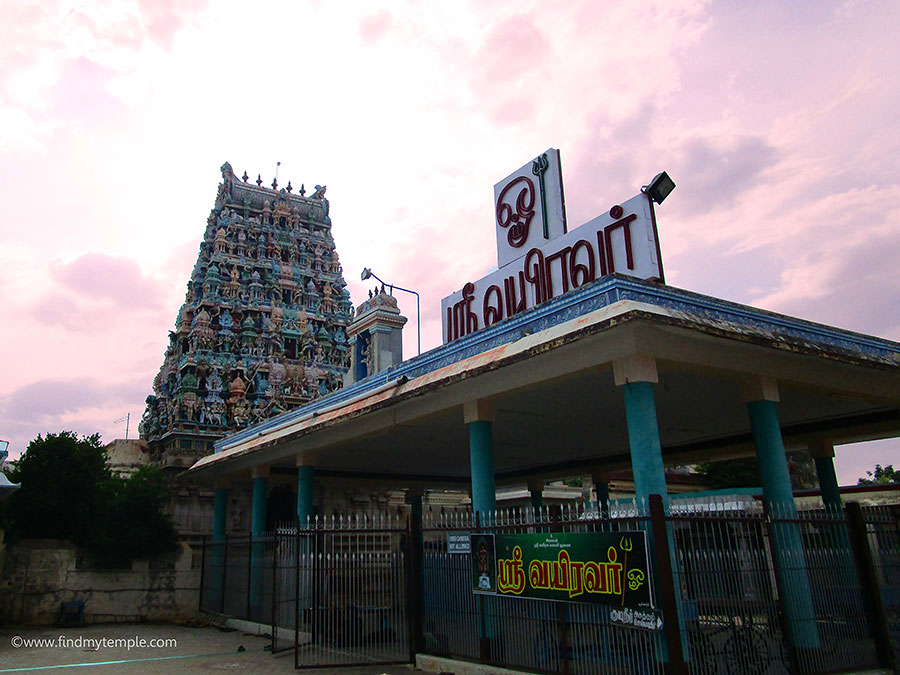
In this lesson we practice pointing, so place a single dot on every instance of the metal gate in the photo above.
(375, 590)
(284, 589)
(349, 591)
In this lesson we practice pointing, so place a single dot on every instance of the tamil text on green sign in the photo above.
(596, 567)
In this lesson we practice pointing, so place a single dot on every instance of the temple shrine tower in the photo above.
(263, 326)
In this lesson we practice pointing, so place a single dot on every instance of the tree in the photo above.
(60, 475)
(733, 473)
(69, 492)
(883, 475)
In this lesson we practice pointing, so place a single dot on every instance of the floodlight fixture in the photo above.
(660, 187)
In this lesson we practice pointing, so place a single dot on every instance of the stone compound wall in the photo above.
(40, 574)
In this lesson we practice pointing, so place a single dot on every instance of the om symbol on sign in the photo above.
(519, 221)
(635, 579)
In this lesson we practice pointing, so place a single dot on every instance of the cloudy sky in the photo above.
(778, 121)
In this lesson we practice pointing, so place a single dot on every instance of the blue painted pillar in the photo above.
(305, 486)
(828, 484)
(481, 459)
(787, 541)
(257, 550)
(479, 415)
(643, 441)
(258, 513)
(636, 375)
(823, 454)
(305, 514)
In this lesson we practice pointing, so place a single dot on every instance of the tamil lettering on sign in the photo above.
(529, 208)
(593, 567)
(538, 259)
(644, 619)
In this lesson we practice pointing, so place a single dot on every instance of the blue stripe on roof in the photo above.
(588, 298)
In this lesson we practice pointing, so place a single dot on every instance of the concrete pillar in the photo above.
(601, 485)
(305, 487)
(823, 453)
(257, 550)
(636, 375)
(762, 397)
(536, 488)
(304, 494)
(305, 510)
(258, 507)
(417, 553)
(479, 415)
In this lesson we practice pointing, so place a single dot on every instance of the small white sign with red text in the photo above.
(529, 208)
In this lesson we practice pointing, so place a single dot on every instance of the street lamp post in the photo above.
(367, 273)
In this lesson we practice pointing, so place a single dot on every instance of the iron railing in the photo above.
(364, 590)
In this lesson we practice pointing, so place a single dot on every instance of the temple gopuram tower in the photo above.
(263, 326)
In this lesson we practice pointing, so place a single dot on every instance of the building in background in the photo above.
(262, 331)
(263, 326)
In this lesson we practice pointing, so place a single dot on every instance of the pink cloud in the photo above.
(61, 311)
(162, 19)
(374, 26)
(60, 397)
(82, 94)
(117, 280)
(506, 67)
(85, 405)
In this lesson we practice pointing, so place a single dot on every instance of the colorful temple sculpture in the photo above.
(263, 327)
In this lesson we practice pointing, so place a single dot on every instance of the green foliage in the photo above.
(68, 492)
(883, 475)
(58, 498)
(745, 472)
(730, 473)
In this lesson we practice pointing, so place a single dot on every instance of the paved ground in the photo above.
(196, 649)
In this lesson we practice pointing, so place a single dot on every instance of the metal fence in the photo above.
(351, 590)
(734, 595)
(364, 590)
(882, 534)
(334, 591)
(230, 569)
(742, 606)
(534, 635)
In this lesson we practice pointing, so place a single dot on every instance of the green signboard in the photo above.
(596, 567)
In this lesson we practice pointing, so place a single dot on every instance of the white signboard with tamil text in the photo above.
(623, 240)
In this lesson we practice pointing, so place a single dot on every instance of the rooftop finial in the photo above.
(275, 183)
(302, 190)
(245, 177)
(289, 188)
(259, 179)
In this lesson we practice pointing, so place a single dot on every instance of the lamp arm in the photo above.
(418, 314)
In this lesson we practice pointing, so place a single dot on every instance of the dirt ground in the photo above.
(117, 649)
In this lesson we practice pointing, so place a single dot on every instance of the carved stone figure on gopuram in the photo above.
(262, 328)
